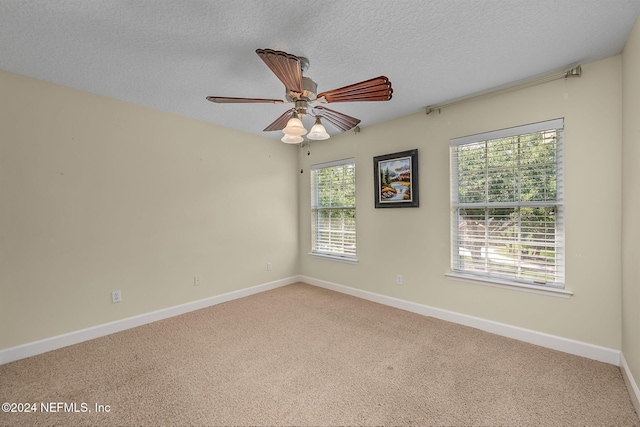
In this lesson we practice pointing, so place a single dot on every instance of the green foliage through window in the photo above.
(333, 208)
(507, 208)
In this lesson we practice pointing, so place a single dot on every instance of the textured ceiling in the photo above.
(169, 55)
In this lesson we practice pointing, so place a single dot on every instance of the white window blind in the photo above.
(507, 204)
(333, 208)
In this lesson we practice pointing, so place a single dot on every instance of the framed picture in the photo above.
(395, 178)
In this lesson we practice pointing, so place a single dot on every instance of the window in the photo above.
(507, 205)
(333, 209)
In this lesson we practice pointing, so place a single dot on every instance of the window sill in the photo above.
(504, 284)
(334, 258)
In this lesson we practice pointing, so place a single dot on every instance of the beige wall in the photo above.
(99, 195)
(415, 242)
(631, 202)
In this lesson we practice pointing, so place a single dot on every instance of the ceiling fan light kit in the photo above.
(318, 132)
(292, 139)
(301, 91)
(294, 126)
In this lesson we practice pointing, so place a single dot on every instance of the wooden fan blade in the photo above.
(280, 123)
(376, 89)
(337, 119)
(228, 100)
(285, 66)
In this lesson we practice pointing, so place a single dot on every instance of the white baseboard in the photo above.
(42, 346)
(634, 391)
(566, 345)
(590, 351)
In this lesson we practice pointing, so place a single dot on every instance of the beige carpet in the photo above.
(302, 355)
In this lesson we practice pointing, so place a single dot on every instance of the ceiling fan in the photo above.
(301, 91)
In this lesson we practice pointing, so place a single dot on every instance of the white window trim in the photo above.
(333, 163)
(349, 259)
(506, 133)
(506, 282)
(331, 257)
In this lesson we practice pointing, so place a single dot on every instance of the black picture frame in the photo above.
(395, 178)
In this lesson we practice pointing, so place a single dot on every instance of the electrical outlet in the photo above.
(197, 280)
(399, 279)
(269, 266)
(116, 296)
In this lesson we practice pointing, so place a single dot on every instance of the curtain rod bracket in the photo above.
(574, 72)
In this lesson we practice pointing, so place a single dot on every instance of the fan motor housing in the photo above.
(309, 90)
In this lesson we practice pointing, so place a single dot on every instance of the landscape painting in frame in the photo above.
(396, 180)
